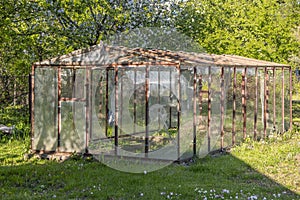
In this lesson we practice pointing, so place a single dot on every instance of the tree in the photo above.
(259, 29)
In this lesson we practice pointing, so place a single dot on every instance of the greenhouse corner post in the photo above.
(234, 106)
(116, 110)
(195, 111)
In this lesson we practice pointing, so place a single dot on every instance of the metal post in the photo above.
(178, 111)
(134, 102)
(106, 102)
(194, 111)
(266, 96)
(291, 96)
(256, 103)
(244, 102)
(121, 100)
(116, 109)
(234, 106)
(59, 106)
(159, 117)
(222, 107)
(87, 108)
(282, 100)
(209, 109)
(274, 99)
(170, 96)
(147, 95)
(32, 105)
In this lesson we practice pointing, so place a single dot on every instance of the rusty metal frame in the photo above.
(178, 110)
(209, 110)
(195, 110)
(116, 82)
(118, 121)
(87, 108)
(244, 102)
(222, 107)
(234, 106)
(32, 86)
(147, 96)
(134, 102)
(59, 107)
(291, 98)
(266, 101)
(106, 101)
(282, 100)
(170, 95)
(256, 103)
(274, 98)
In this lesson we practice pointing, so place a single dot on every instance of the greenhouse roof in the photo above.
(109, 56)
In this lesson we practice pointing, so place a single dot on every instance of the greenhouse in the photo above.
(155, 104)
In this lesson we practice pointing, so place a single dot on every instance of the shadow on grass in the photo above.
(213, 177)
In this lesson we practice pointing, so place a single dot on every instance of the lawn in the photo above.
(254, 170)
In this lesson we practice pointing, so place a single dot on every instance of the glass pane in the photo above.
(73, 127)
(45, 109)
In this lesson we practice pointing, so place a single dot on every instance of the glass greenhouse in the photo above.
(155, 104)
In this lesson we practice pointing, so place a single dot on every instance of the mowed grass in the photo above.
(254, 170)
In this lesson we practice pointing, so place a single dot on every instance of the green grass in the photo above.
(262, 169)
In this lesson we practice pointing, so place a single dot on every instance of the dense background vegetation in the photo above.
(34, 30)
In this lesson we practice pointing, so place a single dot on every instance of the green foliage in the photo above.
(242, 174)
(257, 29)
(17, 116)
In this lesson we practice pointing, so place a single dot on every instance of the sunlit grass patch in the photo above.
(253, 170)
